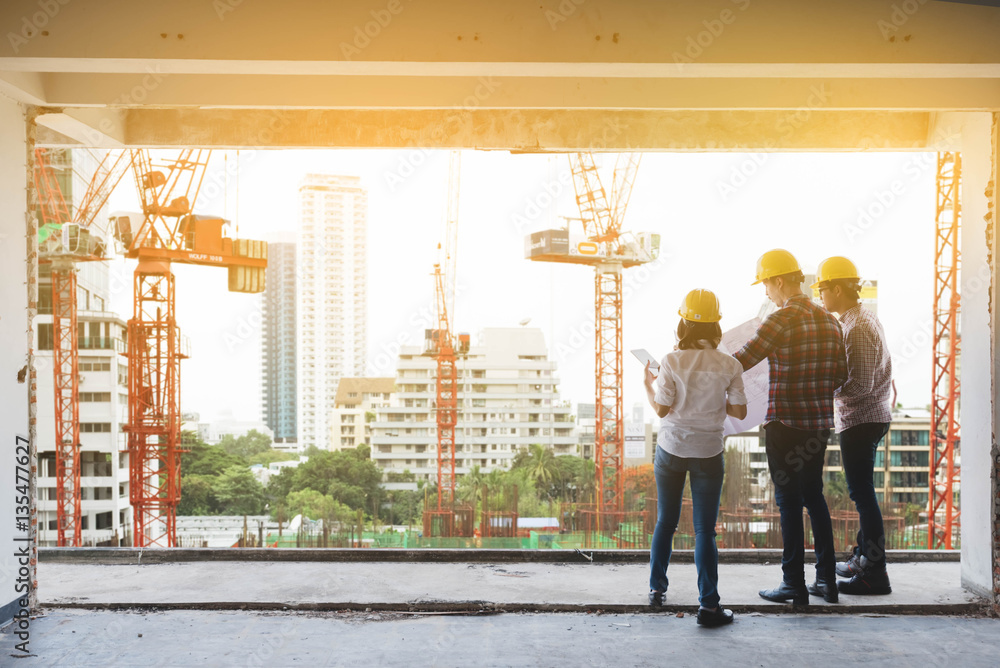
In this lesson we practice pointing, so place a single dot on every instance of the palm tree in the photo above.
(541, 465)
(469, 484)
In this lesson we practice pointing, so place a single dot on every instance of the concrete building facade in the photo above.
(331, 314)
(278, 345)
(355, 409)
(508, 400)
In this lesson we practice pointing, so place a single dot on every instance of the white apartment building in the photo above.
(508, 400)
(357, 403)
(331, 310)
(106, 515)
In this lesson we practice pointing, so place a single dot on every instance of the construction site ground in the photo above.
(152, 609)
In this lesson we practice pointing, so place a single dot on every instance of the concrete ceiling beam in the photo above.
(89, 127)
(155, 88)
(532, 130)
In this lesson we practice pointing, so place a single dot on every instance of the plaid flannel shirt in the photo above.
(864, 398)
(805, 347)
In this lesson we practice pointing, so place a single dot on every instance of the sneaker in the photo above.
(868, 583)
(856, 564)
(718, 617)
(656, 598)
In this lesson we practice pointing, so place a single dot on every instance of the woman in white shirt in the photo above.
(696, 387)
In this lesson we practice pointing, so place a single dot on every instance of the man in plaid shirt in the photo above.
(862, 419)
(805, 348)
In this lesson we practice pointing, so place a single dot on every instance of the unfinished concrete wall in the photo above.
(13, 352)
(977, 350)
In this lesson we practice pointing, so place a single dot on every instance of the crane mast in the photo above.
(169, 232)
(943, 479)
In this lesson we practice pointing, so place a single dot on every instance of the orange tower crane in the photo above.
(604, 246)
(943, 517)
(168, 233)
(65, 240)
(442, 344)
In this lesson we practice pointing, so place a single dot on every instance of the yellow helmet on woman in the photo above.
(700, 306)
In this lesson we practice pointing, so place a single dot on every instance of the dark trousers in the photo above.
(857, 449)
(706, 490)
(795, 459)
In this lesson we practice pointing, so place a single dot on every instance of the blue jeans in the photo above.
(857, 447)
(706, 490)
(795, 459)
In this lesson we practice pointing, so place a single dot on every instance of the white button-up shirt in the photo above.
(696, 384)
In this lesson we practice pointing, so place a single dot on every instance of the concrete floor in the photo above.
(925, 588)
(213, 638)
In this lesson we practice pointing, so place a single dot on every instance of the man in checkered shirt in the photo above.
(862, 419)
(805, 348)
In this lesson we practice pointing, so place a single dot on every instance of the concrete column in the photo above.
(15, 333)
(978, 403)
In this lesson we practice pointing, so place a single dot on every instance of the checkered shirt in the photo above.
(805, 348)
(864, 398)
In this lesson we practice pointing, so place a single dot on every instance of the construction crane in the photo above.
(64, 240)
(446, 348)
(604, 246)
(168, 232)
(944, 476)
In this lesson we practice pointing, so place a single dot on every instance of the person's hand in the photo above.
(648, 377)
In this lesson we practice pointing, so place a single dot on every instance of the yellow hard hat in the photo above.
(700, 306)
(775, 262)
(833, 268)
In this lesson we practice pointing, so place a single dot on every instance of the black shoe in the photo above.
(825, 588)
(656, 598)
(856, 564)
(867, 583)
(784, 592)
(718, 617)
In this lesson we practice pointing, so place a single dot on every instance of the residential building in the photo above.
(508, 400)
(586, 422)
(355, 408)
(214, 432)
(331, 311)
(106, 515)
(278, 345)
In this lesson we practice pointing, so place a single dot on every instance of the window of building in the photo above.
(909, 437)
(910, 458)
(908, 479)
(95, 427)
(95, 397)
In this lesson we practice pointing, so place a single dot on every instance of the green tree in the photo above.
(238, 492)
(249, 444)
(312, 504)
(204, 459)
(197, 495)
(349, 476)
(270, 456)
